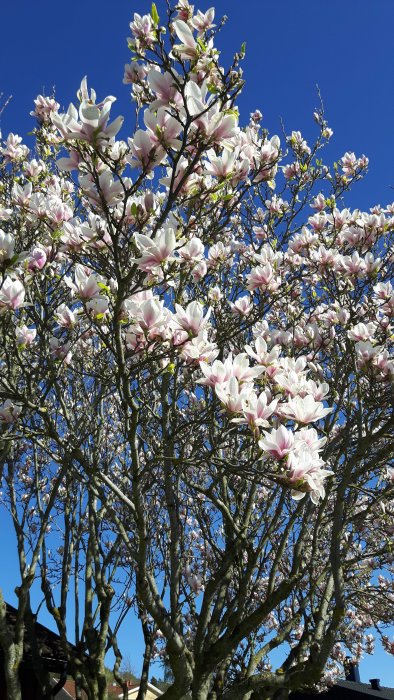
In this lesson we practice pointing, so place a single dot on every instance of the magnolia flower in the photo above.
(203, 21)
(308, 437)
(192, 251)
(362, 331)
(90, 123)
(65, 317)
(152, 317)
(199, 350)
(217, 373)
(24, 336)
(262, 277)
(242, 371)
(60, 351)
(12, 294)
(97, 307)
(144, 31)
(37, 259)
(366, 351)
(188, 49)
(7, 244)
(262, 355)
(256, 410)
(278, 443)
(9, 412)
(86, 283)
(192, 318)
(304, 409)
(165, 88)
(108, 189)
(145, 151)
(155, 252)
(241, 306)
(163, 128)
(306, 475)
(232, 395)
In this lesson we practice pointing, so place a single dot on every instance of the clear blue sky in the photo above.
(344, 46)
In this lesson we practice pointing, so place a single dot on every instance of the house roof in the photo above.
(156, 692)
(64, 693)
(49, 643)
(366, 689)
(69, 687)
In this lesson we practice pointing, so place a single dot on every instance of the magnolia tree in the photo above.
(196, 383)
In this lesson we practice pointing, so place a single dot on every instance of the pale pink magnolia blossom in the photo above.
(217, 373)
(192, 251)
(192, 318)
(263, 277)
(308, 437)
(194, 581)
(163, 85)
(306, 475)
(188, 49)
(241, 369)
(304, 409)
(12, 294)
(221, 166)
(9, 412)
(155, 251)
(264, 356)
(44, 107)
(134, 73)
(362, 331)
(36, 260)
(384, 290)
(278, 443)
(131, 306)
(215, 294)
(319, 202)
(90, 123)
(86, 283)
(199, 350)
(233, 395)
(152, 318)
(143, 30)
(202, 21)
(163, 128)
(241, 307)
(384, 363)
(256, 410)
(135, 342)
(71, 162)
(65, 317)
(97, 307)
(108, 189)
(7, 245)
(199, 271)
(24, 336)
(14, 150)
(185, 10)
(366, 351)
(59, 350)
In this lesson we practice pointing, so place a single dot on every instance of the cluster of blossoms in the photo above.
(157, 283)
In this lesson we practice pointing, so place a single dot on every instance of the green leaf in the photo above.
(243, 49)
(155, 15)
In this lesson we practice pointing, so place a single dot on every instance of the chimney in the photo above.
(352, 672)
(375, 683)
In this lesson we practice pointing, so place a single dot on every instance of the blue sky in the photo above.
(343, 46)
